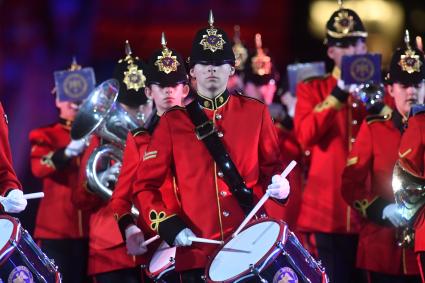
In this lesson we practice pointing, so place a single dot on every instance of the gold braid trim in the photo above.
(46, 160)
(352, 161)
(157, 217)
(362, 205)
(329, 102)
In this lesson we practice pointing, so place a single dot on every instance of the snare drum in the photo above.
(265, 251)
(162, 265)
(21, 260)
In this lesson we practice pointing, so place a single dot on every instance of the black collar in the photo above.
(398, 121)
(214, 103)
(64, 122)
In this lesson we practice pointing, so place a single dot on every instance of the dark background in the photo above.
(41, 36)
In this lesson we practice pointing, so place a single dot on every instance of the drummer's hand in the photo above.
(134, 239)
(182, 238)
(14, 201)
(279, 188)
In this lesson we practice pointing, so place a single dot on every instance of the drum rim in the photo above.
(162, 269)
(8, 249)
(282, 225)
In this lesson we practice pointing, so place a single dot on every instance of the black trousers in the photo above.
(70, 256)
(375, 277)
(130, 275)
(338, 255)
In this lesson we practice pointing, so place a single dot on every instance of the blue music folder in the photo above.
(358, 69)
(74, 85)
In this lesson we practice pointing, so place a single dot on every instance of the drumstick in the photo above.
(29, 196)
(34, 195)
(260, 203)
(150, 240)
(206, 241)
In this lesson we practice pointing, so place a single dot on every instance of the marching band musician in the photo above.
(236, 81)
(210, 208)
(327, 120)
(366, 183)
(61, 228)
(11, 196)
(412, 148)
(260, 78)
(108, 258)
(167, 85)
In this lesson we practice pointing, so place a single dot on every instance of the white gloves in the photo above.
(290, 101)
(14, 202)
(348, 88)
(110, 174)
(134, 238)
(279, 188)
(182, 238)
(391, 213)
(75, 147)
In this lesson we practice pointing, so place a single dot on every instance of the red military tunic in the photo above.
(122, 197)
(8, 179)
(412, 157)
(327, 128)
(121, 201)
(208, 207)
(291, 150)
(366, 186)
(107, 251)
(57, 217)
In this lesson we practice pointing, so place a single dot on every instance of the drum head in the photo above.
(161, 259)
(247, 248)
(6, 231)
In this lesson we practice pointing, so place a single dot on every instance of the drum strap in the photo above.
(205, 130)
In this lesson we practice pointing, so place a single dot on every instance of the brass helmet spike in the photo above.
(74, 64)
(340, 3)
(407, 38)
(237, 34)
(163, 41)
(258, 41)
(211, 19)
(127, 48)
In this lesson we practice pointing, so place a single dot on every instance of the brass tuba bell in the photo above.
(409, 192)
(100, 114)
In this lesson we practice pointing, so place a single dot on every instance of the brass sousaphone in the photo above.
(409, 193)
(100, 114)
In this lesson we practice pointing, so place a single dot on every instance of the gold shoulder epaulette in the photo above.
(176, 107)
(377, 118)
(309, 79)
(138, 131)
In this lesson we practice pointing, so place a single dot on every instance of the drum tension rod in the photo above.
(255, 271)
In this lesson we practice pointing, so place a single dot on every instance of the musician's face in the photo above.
(167, 97)
(357, 48)
(211, 80)
(67, 110)
(404, 96)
